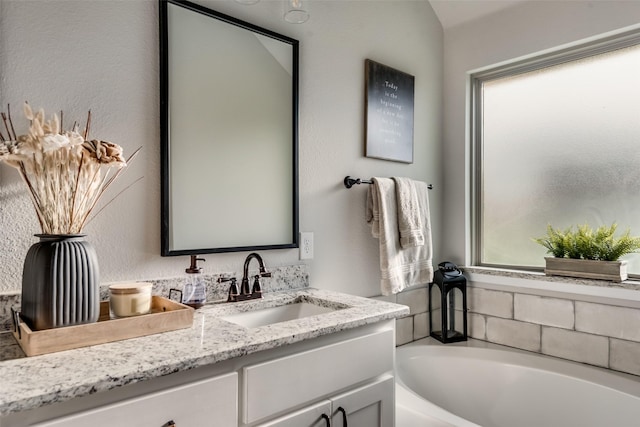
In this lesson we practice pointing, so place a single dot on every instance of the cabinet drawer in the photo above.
(193, 405)
(312, 374)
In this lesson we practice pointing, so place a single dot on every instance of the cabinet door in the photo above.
(311, 416)
(211, 402)
(311, 375)
(369, 406)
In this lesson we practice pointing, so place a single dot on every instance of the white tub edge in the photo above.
(411, 406)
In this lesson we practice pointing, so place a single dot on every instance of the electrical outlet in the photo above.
(306, 245)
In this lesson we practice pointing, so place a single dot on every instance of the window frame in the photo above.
(549, 58)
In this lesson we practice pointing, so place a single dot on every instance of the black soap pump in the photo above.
(194, 293)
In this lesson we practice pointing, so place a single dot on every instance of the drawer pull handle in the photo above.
(344, 416)
(326, 418)
(169, 423)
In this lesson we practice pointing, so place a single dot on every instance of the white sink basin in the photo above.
(268, 316)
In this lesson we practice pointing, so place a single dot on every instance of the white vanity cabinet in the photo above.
(192, 405)
(311, 383)
(311, 416)
(352, 374)
(371, 405)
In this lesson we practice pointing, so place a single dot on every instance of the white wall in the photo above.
(517, 31)
(103, 56)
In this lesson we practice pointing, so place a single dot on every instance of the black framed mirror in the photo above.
(229, 133)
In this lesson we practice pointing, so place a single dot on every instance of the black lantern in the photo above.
(445, 319)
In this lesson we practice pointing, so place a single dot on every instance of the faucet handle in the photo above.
(233, 289)
(256, 284)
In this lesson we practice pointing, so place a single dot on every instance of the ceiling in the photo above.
(454, 12)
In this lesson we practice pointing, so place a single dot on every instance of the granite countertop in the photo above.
(31, 382)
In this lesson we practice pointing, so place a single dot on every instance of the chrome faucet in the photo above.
(245, 293)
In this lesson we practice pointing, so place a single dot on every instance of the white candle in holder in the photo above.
(130, 299)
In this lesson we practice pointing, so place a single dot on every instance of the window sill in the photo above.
(625, 294)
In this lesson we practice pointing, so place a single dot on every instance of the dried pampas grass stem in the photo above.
(66, 174)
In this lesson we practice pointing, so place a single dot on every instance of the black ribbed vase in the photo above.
(60, 282)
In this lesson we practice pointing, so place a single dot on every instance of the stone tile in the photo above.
(386, 298)
(435, 298)
(435, 317)
(544, 311)
(493, 303)
(459, 319)
(624, 356)
(577, 346)
(404, 330)
(477, 326)
(513, 333)
(420, 326)
(457, 294)
(608, 320)
(416, 299)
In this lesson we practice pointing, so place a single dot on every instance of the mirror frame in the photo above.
(166, 250)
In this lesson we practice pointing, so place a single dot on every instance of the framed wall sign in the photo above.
(389, 113)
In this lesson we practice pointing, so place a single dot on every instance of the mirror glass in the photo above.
(229, 97)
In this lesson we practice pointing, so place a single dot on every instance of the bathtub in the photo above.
(480, 384)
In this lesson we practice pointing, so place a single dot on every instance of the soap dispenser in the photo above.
(194, 293)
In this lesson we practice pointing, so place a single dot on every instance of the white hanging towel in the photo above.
(399, 267)
(409, 213)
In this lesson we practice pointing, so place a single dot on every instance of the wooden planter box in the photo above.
(615, 271)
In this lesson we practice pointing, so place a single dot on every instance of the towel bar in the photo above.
(350, 182)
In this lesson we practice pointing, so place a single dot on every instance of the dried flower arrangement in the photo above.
(66, 173)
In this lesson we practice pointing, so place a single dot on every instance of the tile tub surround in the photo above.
(31, 382)
(283, 278)
(415, 326)
(600, 331)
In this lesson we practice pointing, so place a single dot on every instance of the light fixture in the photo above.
(296, 11)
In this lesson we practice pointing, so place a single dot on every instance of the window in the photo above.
(556, 140)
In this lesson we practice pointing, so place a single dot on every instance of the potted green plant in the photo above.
(588, 253)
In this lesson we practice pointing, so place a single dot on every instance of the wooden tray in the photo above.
(166, 315)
